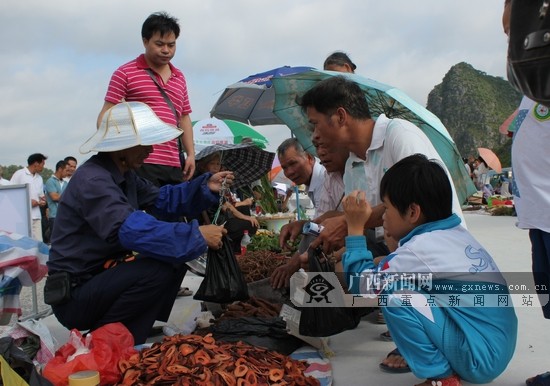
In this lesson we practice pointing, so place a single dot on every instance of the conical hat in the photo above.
(129, 124)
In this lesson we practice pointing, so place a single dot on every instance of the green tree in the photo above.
(46, 174)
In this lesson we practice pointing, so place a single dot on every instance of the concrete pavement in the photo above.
(358, 352)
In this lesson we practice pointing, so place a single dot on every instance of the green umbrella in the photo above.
(213, 131)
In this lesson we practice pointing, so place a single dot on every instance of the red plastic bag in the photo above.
(102, 352)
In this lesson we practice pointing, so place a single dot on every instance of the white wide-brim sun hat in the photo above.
(129, 124)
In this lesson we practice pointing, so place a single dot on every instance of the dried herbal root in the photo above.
(258, 265)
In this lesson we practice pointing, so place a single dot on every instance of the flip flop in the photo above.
(185, 291)
(386, 336)
(394, 370)
(539, 380)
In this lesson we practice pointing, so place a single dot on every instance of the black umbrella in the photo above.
(247, 161)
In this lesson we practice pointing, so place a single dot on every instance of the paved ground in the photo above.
(27, 304)
(358, 352)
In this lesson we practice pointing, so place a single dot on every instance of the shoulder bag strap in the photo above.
(168, 102)
(164, 95)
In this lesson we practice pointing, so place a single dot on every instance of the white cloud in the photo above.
(58, 56)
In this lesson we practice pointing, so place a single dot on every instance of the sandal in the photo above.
(453, 380)
(185, 291)
(386, 336)
(395, 370)
(539, 380)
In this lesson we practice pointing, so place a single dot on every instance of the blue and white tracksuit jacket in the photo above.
(435, 336)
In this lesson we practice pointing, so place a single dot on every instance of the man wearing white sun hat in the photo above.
(118, 262)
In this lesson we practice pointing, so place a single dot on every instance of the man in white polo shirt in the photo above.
(302, 168)
(31, 175)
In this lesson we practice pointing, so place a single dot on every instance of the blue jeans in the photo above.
(540, 248)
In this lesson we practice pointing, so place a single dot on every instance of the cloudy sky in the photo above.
(58, 55)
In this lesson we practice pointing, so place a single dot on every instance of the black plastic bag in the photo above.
(269, 333)
(223, 281)
(325, 321)
(21, 363)
(529, 49)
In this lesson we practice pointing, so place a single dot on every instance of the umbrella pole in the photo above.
(297, 201)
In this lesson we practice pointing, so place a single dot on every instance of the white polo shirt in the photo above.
(36, 187)
(530, 162)
(316, 184)
(392, 140)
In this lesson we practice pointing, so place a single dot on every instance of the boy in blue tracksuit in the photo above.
(443, 337)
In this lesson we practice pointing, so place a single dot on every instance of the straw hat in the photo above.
(129, 124)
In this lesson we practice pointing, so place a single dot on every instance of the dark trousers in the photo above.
(540, 244)
(51, 221)
(135, 293)
(161, 175)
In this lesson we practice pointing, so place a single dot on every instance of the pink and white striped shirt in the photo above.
(130, 82)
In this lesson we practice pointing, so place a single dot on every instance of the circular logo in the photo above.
(542, 113)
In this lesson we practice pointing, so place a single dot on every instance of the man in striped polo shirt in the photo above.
(133, 82)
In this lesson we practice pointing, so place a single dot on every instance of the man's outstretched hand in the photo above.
(289, 233)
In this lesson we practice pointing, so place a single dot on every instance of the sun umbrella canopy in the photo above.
(247, 161)
(277, 175)
(510, 124)
(251, 99)
(212, 131)
(383, 99)
(490, 158)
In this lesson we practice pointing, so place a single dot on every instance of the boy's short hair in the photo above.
(416, 179)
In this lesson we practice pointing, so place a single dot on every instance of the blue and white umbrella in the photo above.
(251, 99)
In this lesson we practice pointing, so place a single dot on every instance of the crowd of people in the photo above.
(44, 197)
(133, 214)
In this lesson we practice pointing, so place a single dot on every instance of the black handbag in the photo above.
(529, 49)
(223, 281)
(325, 321)
(57, 289)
